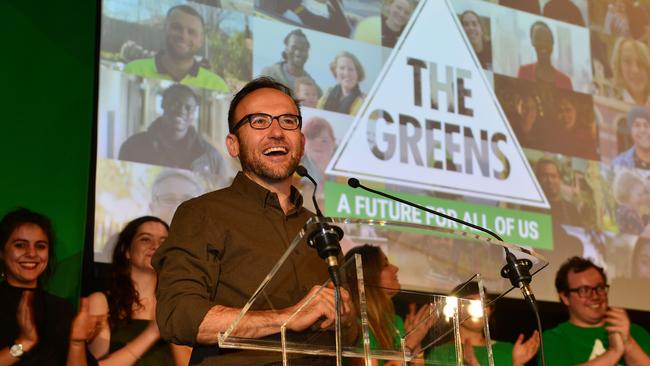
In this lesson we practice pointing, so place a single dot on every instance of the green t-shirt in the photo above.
(446, 354)
(569, 344)
(204, 78)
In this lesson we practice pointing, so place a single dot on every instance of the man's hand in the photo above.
(322, 306)
(617, 321)
(616, 344)
(261, 323)
(522, 351)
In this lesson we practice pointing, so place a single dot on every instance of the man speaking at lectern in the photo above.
(221, 245)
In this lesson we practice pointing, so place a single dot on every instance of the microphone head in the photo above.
(354, 183)
(302, 171)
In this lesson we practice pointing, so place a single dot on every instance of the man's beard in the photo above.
(252, 163)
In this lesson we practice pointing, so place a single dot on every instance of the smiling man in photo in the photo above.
(172, 140)
(184, 38)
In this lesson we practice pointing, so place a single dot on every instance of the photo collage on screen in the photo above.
(573, 78)
(168, 70)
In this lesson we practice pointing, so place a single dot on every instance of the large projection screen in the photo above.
(527, 117)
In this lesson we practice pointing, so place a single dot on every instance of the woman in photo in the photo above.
(632, 197)
(477, 37)
(345, 96)
(631, 66)
(572, 130)
(543, 70)
(395, 15)
(320, 145)
(527, 123)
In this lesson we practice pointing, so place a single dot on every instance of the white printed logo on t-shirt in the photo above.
(598, 349)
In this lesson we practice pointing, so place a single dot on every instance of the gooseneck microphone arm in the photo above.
(302, 171)
(354, 183)
(325, 238)
(516, 270)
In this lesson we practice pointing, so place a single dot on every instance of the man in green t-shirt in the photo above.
(184, 33)
(595, 333)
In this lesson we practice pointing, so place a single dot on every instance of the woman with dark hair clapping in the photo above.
(129, 334)
(34, 324)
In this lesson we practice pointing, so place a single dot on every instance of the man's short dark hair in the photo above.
(253, 85)
(541, 24)
(177, 91)
(297, 33)
(635, 113)
(187, 10)
(575, 265)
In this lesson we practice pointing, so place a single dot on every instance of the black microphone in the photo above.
(517, 270)
(324, 237)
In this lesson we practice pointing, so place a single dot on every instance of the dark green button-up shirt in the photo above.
(220, 247)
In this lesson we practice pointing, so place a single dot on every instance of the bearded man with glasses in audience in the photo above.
(221, 245)
(595, 334)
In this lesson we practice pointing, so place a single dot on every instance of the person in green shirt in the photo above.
(475, 343)
(386, 327)
(184, 35)
(596, 334)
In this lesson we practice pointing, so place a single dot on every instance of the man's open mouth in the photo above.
(275, 151)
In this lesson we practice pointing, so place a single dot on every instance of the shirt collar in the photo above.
(160, 68)
(263, 196)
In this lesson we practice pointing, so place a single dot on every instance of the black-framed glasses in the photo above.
(262, 121)
(587, 291)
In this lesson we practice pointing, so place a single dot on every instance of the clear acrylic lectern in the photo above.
(452, 258)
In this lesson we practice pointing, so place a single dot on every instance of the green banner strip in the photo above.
(518, 227)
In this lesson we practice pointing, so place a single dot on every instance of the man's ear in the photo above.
(564, 298)
(232, 143)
